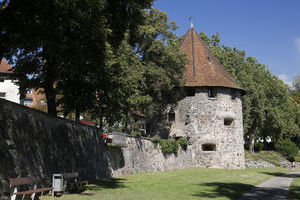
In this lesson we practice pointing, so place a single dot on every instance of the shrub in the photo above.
(258, 146)
(168, 146)
(287, 148)
(183, 142)
(155, 141)
(136, 133)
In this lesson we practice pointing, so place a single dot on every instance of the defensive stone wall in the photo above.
(34, 144)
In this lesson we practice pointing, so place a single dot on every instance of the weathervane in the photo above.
(191, 21)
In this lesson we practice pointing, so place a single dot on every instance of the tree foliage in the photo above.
(107, 58)
(64, 41)
(268, 109)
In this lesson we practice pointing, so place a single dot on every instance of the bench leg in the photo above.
(32, 196)
(23, 196)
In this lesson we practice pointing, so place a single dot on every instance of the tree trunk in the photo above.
(51, 100)
(50, 70)
(77, 115)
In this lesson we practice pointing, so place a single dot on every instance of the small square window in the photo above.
(228, 121)
(208, 147)
(190, 92)
(2, 94)
(212, 92)
(233, 94)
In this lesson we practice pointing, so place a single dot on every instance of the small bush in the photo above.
(183, 142)
(155, 141)
(136, 133)
(287, 148)
(168, 146)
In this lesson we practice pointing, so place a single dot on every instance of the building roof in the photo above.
(5, 67)
(203, 69)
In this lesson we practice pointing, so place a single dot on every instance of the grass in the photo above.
(269, 156)
(295, 189)
(188, 184)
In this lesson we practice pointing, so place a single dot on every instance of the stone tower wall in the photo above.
(201, 119)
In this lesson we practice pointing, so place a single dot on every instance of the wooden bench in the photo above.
(28, 182)
(71, 181)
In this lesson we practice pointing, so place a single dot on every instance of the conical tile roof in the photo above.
(203, 69)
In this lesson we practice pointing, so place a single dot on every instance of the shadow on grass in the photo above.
(112, 183)
(290, 175)
(294, 193)
(219, 189)
(274, 173)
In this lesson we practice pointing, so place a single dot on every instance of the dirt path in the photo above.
(276, 188)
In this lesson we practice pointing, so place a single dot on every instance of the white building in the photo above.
(8, 88)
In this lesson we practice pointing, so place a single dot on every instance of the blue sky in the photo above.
(268, 30)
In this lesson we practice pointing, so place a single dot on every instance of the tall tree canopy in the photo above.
(268, 109)
(108, 58)
(48, 39)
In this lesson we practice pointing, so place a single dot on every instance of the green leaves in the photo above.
(268, 109)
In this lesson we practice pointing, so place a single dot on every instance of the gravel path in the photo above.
(276, 188)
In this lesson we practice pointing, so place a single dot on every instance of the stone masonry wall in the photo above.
(201, 119)
(34, 144)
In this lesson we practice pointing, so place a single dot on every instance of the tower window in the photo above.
(208, 147)
(212, 93)
(2, 94)
(233, 94)
(228, 121)
(190, 92)
(171, 116)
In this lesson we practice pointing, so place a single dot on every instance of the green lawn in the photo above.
(196, 183)
(295, 189)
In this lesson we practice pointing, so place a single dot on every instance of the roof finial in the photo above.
(190, 19)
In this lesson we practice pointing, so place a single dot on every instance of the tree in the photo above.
(46, 40)
(143, 74)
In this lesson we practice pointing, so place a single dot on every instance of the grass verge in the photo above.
(188, 184)
(294, 193)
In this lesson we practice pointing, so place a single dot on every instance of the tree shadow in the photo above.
(219, 189)
(112, 183)
(294, 193)
(290, 175)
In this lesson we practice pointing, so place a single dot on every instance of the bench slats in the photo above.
(33, 191)
(23, 181)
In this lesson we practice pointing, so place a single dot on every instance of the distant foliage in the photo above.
(258, 146)
(268, 108)
(170, 146)
(287, 148)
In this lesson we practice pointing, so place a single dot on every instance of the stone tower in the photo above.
(210, 114)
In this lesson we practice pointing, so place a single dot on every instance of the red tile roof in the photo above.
(203, 69)
(5, 67)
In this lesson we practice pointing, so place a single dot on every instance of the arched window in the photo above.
(228, 121)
